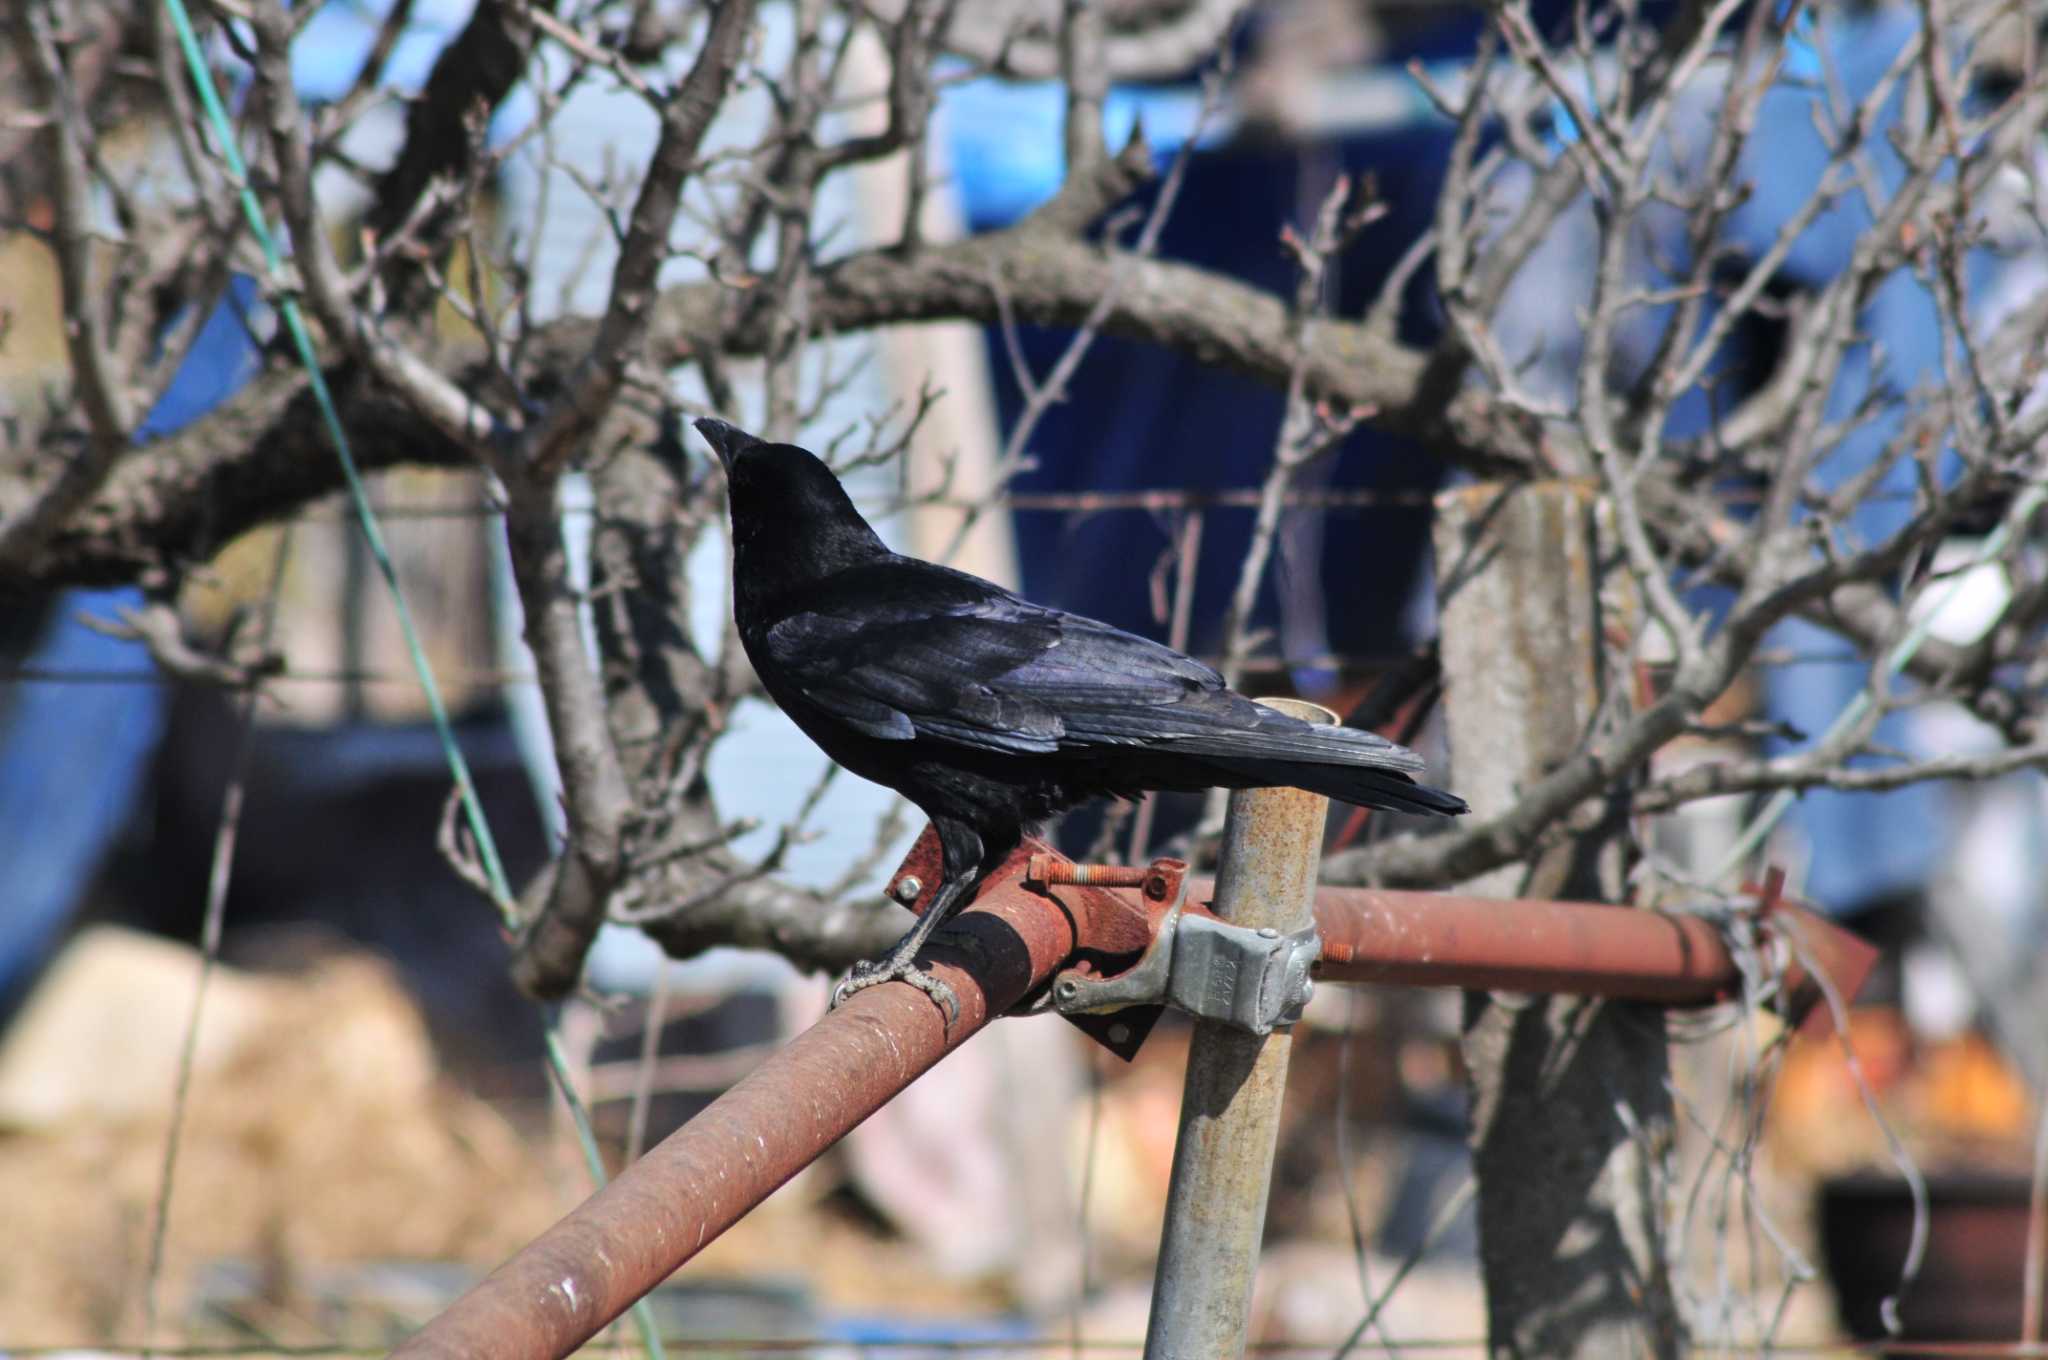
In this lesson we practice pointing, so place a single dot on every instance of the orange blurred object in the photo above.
(1963, 1088)
(1815, 1089)
(1956, 1098)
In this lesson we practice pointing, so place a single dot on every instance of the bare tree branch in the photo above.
(475, 71)
(108, 410)
(452, 411)
(1307, 431)
(588, 394)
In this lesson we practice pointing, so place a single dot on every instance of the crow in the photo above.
(989, 712)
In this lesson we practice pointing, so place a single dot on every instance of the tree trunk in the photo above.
(1571, 1117)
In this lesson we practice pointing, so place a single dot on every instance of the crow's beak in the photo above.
(727, 441)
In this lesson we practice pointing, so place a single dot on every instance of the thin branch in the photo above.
(1826, 769)
(369, 78)
(989, 34)
(219, 874)
(596, 796)
(812, 932)
(158, 627)
(99, 383)
(453, 411)
(1306, 433)
(547, 447)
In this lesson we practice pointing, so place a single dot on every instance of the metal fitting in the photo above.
(1253, 980)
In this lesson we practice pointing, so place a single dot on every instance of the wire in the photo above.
(498, 678)
(897, 1349)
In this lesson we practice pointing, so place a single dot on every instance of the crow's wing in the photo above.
(904, 649)
(897, 677)
(1179, 706)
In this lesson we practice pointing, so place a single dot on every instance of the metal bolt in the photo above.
(1268, 933)
(906, 889)
(1053, 871)
(1119, 1034)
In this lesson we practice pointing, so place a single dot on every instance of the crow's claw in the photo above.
(866, 975)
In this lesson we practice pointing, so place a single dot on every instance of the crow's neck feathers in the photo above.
(792, 522)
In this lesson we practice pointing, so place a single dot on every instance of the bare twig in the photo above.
(1024, 40)
(1307, 432)
(451, 410)
(686, 115)
(158, 627)
(109, 417)
(218, 875)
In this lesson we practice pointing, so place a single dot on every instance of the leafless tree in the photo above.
(1605, 161)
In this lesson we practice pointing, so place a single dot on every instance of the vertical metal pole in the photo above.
(1230, 1107)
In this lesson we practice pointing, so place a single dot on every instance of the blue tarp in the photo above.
(73, 752)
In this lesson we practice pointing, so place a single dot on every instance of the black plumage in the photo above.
(987, 711)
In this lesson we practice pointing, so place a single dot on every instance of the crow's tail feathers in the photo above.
(1251, 745)
(1358, 785)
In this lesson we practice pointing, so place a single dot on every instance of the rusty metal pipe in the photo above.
(1584, 948)
(1443, 940)
(576, 1277)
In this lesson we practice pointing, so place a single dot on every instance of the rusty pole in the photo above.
(567, 1284)
(1427, 939)
(1230, 1105)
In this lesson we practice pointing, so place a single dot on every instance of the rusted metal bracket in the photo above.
(1111, 930)
(1254, 980)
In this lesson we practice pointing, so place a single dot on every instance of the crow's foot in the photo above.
(898, 969)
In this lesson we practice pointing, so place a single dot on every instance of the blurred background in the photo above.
(364, 1122)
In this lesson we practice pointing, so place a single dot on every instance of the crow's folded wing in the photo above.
(1113, 688)
(905, 650)
(899, 654)
(901, 673)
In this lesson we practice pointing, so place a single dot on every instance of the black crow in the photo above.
(987, 711)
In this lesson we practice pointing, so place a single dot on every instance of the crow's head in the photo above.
(727, 441)
(785, 496)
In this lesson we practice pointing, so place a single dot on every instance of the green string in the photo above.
(472, 807)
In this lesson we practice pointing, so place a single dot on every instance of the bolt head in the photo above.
(1268, 933)
(906, 889)
(1119, 1034)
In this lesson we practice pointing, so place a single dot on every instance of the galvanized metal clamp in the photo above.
(1256, 980)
